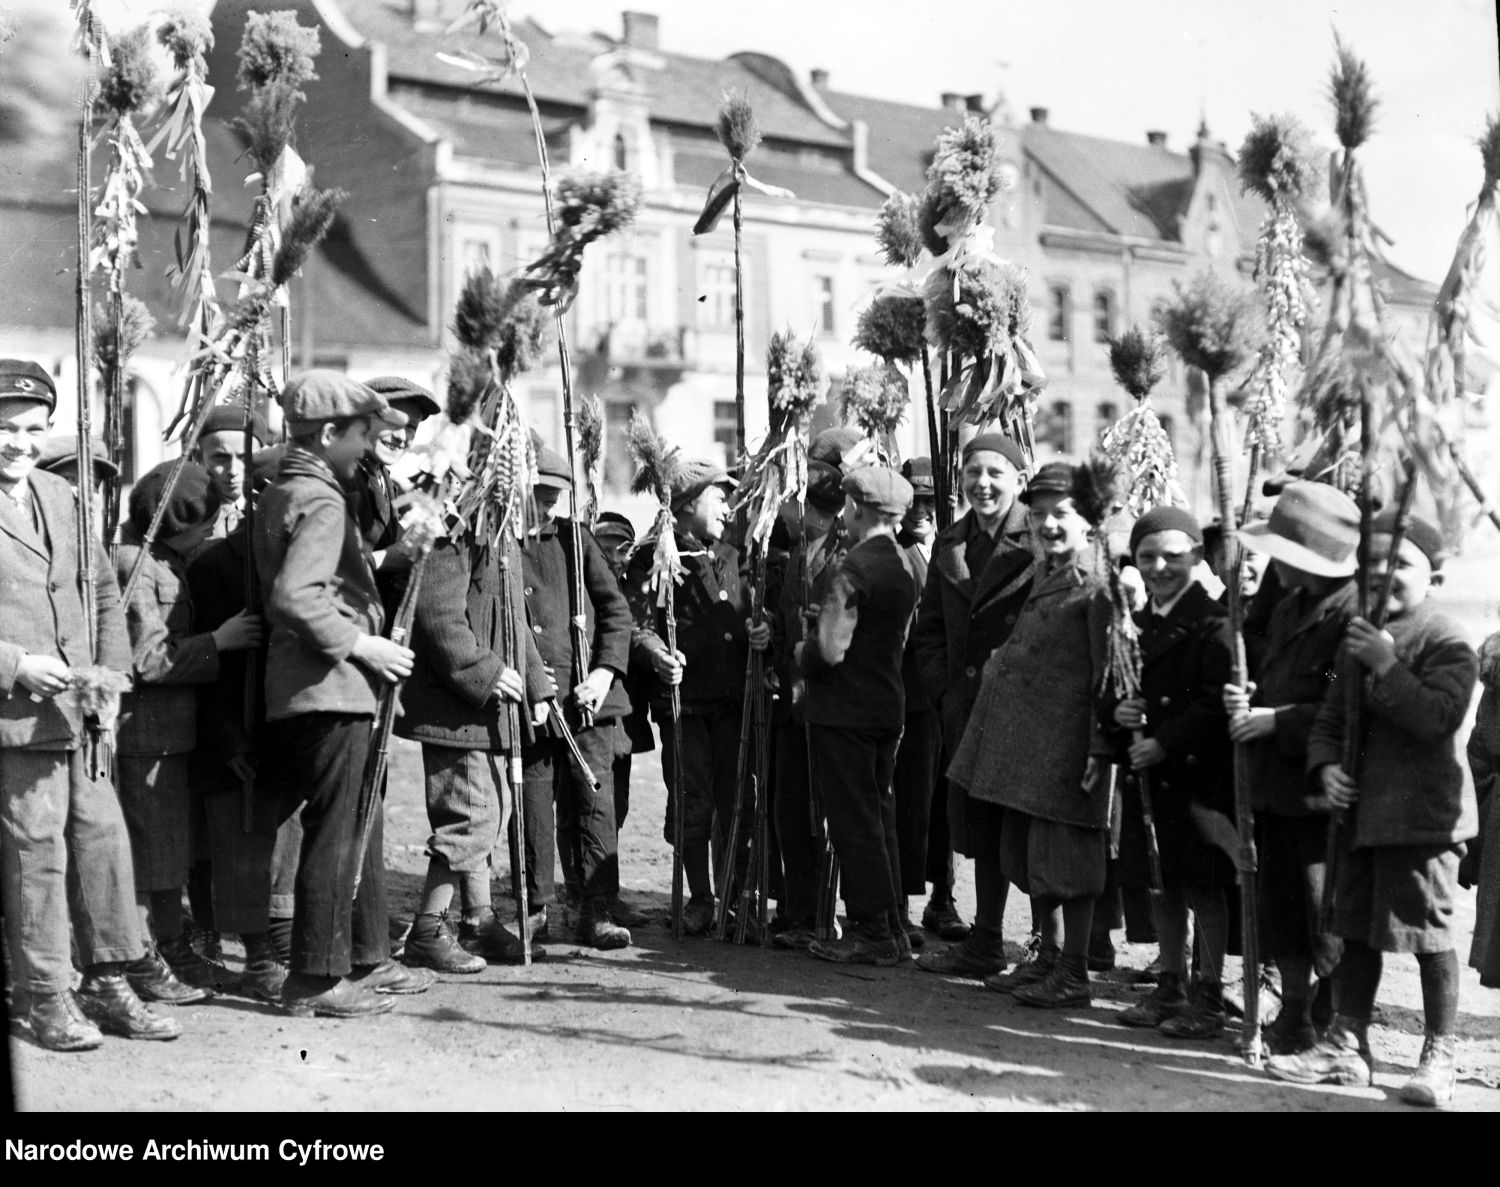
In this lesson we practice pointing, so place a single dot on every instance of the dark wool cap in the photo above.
(879, 489)
(1165, 519)
(60, 453)
(824, 489)
(230, 418)
(1053, 478)
(1419, 531)
(21, 379)
(405, 396)
(552, 469)
(918, 472)
(194, 499)
(831, 444)
(612, 523)
(315, 397)
(996, 443)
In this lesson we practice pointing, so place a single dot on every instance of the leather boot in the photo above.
(153, 981)
(596, 930)
(1431, 1085)
(59, 1025)
(433, 945)
(489, 938)
(106, 997)
(1343, 1057)
(264, 975)
(189, 967)
(623, 914)
(1167, 1000)
(308, 996)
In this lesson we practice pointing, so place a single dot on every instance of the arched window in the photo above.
(622, 153)
(1057, 313)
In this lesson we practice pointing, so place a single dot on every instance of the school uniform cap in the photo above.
(1165, 519)
(694, 477)
(879, 489)
(60, 452)
(831, 444)
(21, 379)
(824, 487)
(612, 523)
(405, 396)
(193, 499)
(230, 418)
(552, 470)
(995, 443)
(1313, 527)
(1054, 478)
(1419, 531)
(918, 472)
(315, 397)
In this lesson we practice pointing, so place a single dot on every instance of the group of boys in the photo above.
(877, 632)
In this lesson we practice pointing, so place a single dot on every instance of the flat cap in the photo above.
(824, 487)
(831, 444)
(60, 453)
(21, 379)
(918, 472)
(230, 418)
(315, 397)
(1054, 478)
(192, 500)
(1165, 519)
(996, 443)
(879, 489)
(612, 523)
(552, 470)
(694, 477)
(1419, 531)
(405, 396)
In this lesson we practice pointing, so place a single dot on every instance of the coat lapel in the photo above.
(17, 523)
(1159, 636)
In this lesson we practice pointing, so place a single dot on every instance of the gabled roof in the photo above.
(1135, 190)
(901, 135)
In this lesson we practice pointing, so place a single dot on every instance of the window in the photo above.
(716, 295)
(822, 294)
(1105, 415)
(475, 255)
(1167, 428)
(1057, 313)
(1104, 315)
(725, 430)
(1059, 427)
(625, 287)
(622, 155)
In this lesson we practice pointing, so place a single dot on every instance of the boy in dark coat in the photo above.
(1174, 734)
(585, 817)
(158, 720)
(326, 663)
(1310, 538)
(65, 845)
(1413, 807)
(855, 710)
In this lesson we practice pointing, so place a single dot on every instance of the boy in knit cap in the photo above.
(64, 840)
(221, 451)
(1412, 807)
(158, 719)
(326, 664)
(855, 709)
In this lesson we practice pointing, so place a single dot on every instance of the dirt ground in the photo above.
(701, 1025)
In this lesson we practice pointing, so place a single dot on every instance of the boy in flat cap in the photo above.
(586, 829)
(1413, 807)
(855, 710)
(158, 719)
(220, 450)
(1174, 734)
(979, 577)
(326, 663)
(64, 840)
(60, 456)
(712, 607)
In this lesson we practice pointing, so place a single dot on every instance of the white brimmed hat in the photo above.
(1313, 527)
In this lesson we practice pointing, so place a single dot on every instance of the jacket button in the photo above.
(723, 595)
(971, 672)
(529, 591)
(728, 637)
(537, 629)
(1166, 701)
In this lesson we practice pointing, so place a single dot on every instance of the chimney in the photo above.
(819, 77)
(642, 30)
(953, 101)
(1156, 139)
(1039, 116)
(974, 103)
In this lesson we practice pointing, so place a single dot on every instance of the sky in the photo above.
(1115, 68)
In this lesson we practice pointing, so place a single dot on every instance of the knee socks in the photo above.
(200, 893)
(1439, 972)
(1356, 982)
(474, 892)
(1211, 923)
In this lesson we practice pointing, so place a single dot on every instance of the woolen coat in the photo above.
(1185, 663)
(41, 613)
(458, 637)
(1034, 727)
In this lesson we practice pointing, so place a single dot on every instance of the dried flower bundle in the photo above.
(658, 467)
(736, 128)
(964, 178)
(1139, 445)
(1122, 672)
(795, 381)
(1489, 152)
(1278, 160)
(777, 471)
(588, 207)
(186, 33)
(97, 689)
(275, 49)
(1096, 488)
(991, 308)
(1210, 325)
(892, 327)
(131, 83)
(114, 343)
(591, 449)
(504, 317)
(1354, 102)
(1138, 361)
(898, 230)
(470, 375)
(875, 399)
(313, 212)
